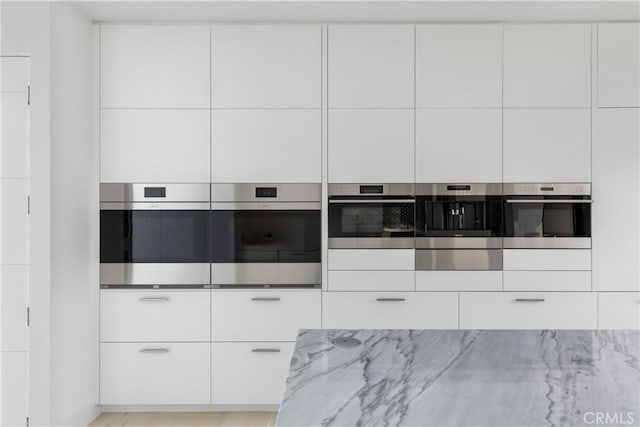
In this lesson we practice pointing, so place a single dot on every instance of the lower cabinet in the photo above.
(390, 310)
(155, 373)
(250, 372)
(528, 310)
(435, 280)
(555, 281)
(619, 310)
(14, 399)
(393, 280)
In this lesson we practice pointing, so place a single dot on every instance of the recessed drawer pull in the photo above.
(154, 299)
(390, 299)
(154, 350)
(265, 299)
(265, 350)
(529, 299)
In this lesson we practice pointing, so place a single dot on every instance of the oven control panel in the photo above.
(548, 189)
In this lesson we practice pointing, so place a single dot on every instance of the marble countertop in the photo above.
(463, 378)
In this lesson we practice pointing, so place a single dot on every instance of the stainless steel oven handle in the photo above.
(154, 350)
(349, 201)
(154, 299)
(548, 201)
(265, 299)
(391, 299)
(265, 350)
(529, 299)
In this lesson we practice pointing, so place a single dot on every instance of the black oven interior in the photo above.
(371, 218)
(553, 216)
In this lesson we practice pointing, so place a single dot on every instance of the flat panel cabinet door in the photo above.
(154, 66)
(14, 227)
(619, 310)
(15, 74)
(459, 65)
(454, 145)
(165, 146)
(547, 65)
(14, 289)
(249, 373)
(619, 65)
(266, 146)
(371, 66)
(266, 66)
(14, 152)
(542, 145)
(15, 381)
(371, 146)
(616, 177)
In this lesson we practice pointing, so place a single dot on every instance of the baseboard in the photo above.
(190, 408)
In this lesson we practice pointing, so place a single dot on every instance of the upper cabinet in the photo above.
(154, 66)
(547, 65)
(371, 66)
(458, 66)
(266, 66)
(15, 74)
(14, 135)
(619, 65)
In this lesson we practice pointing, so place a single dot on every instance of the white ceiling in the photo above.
(358, 10)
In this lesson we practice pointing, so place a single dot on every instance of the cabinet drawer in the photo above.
(155, 373)
(568, 281)
(371, 280)
(527, 310)
(249, 373)
(390, 310)
(458, 280)
(263, 315)
(547, 259)
(619, 310)
(371, 259)
(154, 316)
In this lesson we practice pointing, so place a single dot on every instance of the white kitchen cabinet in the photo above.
(619, 65)
(459, 65)
(547, 145)
(547, 65)
(266, 146)
(371, 66)
(390, 310)
(14, 289)
(528, 310)
(164, 146)
(458, 280)
(14, 222)
(148, 316)
(374, 146)
(547, 259)
(372, 280)
(371, 259)
(155, 373)
(616, 195)
(553, 281)
(459, 145)
(249, 373)
(269, 315)
(155, 66)
(14, 152)
(15, 74)
(618, 310)
(14, 382)
(266, 66)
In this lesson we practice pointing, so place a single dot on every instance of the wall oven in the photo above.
(154, 235)
(459, 226)
(266, 235)
(371, 216)
(547, 215)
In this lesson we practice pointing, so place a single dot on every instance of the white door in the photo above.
(619, 65)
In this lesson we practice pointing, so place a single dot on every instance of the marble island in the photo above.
(463, 378)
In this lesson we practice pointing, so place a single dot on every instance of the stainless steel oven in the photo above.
(547, 215)
(459, 226)
(371, 216)
(266, 235)
(154, 235)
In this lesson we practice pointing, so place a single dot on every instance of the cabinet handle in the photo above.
(265, 299)
(265, 350)
(390, 299)
(154, 350)
(154, 299)
(529, 299)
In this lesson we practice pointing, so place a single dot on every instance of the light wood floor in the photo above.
(184, 419)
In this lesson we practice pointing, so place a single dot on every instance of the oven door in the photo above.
(277, 246)
(547, 222)
(154, 244)
(371, 223)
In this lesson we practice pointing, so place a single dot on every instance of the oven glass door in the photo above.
(266, 236)
(455, 216)
(551, 217)
(154, 236)
(371, 218)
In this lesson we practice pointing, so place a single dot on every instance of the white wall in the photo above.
(74, 220)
